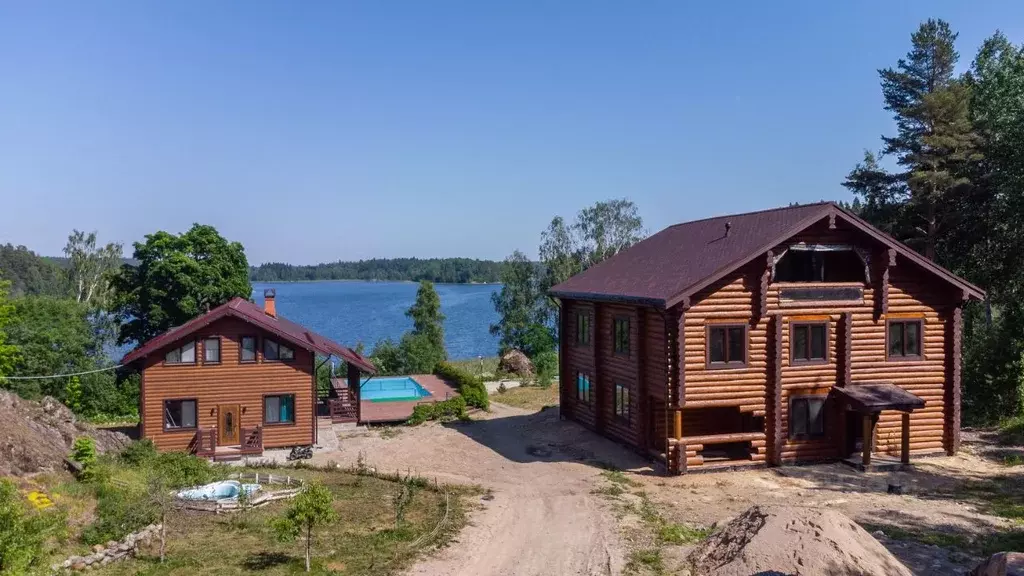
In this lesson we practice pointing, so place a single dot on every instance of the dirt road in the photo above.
(542, 519)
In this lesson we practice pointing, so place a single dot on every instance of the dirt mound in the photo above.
(515, 362)
(37, 436)
(792, 541)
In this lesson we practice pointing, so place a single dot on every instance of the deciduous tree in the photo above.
(176, 279)
(312, 507)
(90, 267)
(8, 352)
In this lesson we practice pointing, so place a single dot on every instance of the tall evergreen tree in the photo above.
(427, 319)
(934, 144)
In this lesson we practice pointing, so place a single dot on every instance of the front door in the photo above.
(227, 424)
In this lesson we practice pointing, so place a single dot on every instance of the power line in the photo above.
(60, 375)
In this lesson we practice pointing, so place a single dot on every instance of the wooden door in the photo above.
(227, 424)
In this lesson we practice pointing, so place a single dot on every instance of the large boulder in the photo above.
(793, 540)
(1001, 564)
(37, 436)
(515, 362)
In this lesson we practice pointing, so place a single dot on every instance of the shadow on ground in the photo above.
(544, 437)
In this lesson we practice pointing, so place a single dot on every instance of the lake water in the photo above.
(354, 312)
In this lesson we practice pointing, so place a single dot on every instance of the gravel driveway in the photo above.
(542, 519)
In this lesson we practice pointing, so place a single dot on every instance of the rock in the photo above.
(515, 362)
(97, 548)
(878, 534)
(78, 566)
(1001, 564)
(111, 544)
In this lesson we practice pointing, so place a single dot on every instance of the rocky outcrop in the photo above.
(37, 436)
(110, 552)
(1001, 564)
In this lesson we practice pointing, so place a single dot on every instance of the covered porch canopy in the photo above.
(869, 399)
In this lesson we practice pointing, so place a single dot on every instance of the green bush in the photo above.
(546, 365)
(451, 409)
(469, 386)
(180, 470)
(23, 532)
(83, 451)
(138, 452)
(1011, 431)
(120, 510)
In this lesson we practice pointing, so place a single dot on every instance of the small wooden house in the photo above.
(234, 381)
(789, 335)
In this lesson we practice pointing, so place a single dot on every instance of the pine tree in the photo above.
(935, 144)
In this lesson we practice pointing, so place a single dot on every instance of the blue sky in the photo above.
(318, 131)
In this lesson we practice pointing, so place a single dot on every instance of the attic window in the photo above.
(821, 263)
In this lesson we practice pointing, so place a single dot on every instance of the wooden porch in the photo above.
(205, 445)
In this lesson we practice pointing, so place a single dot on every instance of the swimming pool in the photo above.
(392, 389)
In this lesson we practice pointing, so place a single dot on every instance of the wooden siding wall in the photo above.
(644, 371)
(912, 292)
(578, 359)
(229, 382)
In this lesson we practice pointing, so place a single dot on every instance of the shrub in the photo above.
(119, 510)
(23, 532)
(1011, 431)
(451, 409)
(139, 452)
(313, 507)
(83, 451)
(469, 386)
(546, 364)
(180, 470)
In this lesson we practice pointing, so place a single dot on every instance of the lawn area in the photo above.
(365, 539)
(528, 397)
(486, 368)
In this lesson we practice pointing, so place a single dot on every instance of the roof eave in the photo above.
(601, 297)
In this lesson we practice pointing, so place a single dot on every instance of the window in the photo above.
(727, 345)
(279, 409)
(622, 402)
(248, 349)
(820, 264)
(583, 387)
(622, 336)
(184, 355)
(179, 414)
(211, 351)
(582, 329)
(807, 417)
(808, 342)
(276, 352)
(904, 339)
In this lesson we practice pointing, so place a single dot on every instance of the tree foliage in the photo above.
(443, 270)
(956, 196)
(90, 267)
(566, 249)
(8, 352)
(422, 348)
(29, 273)
(177, 278)
(313, 507)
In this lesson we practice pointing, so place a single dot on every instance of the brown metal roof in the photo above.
(877, 396)
(283, 328)
(673, 264)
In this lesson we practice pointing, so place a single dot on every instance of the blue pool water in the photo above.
(392, 389)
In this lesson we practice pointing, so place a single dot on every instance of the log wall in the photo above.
(743, 297)
(229, 382)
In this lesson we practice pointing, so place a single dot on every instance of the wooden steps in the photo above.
(343, 408)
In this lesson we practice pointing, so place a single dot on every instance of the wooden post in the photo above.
(354, 384)
(677, 431)
(868, 440)
(773, 404)
(905, 448)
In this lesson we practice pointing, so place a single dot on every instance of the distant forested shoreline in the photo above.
(441, 270)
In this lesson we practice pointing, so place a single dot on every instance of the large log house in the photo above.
(789, 335)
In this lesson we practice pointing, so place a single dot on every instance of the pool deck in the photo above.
(381, 412)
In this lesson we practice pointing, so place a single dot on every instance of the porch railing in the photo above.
(252, 440)
(205, 442)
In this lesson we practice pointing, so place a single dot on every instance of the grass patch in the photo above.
(486, 368)
(366, 540)
(611, 490)
(389, 432)
(1012, 431)
(647, 558)
(1013, 460)
(618, 477)
(529, 397)
(985, 545)
(673, 533)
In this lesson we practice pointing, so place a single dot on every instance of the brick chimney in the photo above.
(269, 305)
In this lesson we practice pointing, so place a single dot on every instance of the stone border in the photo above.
(231, 504)
(111, 552)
